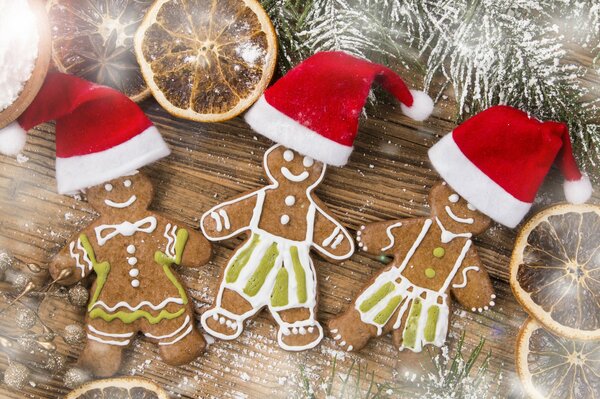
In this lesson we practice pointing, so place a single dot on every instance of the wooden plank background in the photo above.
(389, 176)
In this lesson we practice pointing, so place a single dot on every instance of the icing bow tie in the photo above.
(126, 229)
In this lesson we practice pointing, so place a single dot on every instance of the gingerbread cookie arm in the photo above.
(471, 286)
(385, 238)
(77, 257)
(197, 250)
(230, 218)
(330, 238)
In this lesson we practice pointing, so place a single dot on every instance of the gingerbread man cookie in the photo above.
(273, 267)
(132, 251)
(432, 258)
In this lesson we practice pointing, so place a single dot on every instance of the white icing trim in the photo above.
(174, 333)
(457, 218)
(292, 177)
(457, 265)
(108, 342)
(337, 241)
(225, 217)
(447, 235)
(105, 334)
(328, 240)
(275, 125)
(388, 231)
(182, 336)
(217, 219)
(485, 194)
(76, 173)
(464, 275)
(121, 205)
(126, 229)
(126, 305)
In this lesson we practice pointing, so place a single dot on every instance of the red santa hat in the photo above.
(498, 159)
(314, 109)
(100, 133)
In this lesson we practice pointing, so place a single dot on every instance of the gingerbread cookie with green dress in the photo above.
(133, 252)
(432, 258)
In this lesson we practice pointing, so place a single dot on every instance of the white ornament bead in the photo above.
(131, 249)
(290, 200)
(308, 162)
(288, 155)
(108, 187)
(135, 283)
(132, 261)
(134, 272)
(285, 219)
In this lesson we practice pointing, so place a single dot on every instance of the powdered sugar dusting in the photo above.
(18, 49)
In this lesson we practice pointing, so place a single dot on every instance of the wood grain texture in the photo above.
(389, 176)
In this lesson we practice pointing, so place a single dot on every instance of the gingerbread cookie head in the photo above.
(126, 194)
(455, 212)
(286, 166)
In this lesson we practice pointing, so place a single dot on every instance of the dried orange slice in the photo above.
(553, 367)
(206, 60)
(555, 270)
(119, 388)
(93, 39)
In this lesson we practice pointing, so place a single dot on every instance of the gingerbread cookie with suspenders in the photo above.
(132, 251)
(433, 258)
(273, 267)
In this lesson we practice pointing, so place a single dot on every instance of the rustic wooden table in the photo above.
(389, 176)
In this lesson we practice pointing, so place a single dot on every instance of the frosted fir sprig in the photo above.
(486, 52)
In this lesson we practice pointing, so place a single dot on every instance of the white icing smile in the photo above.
(125, 204)
(458, 219)
(292, 177)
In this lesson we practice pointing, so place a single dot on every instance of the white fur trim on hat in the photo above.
(76, 173)
(578, 191)
(275, 125)
(474, 185)
(12, 139)
(421, 108)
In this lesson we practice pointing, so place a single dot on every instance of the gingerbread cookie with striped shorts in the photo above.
(433, 258)
(273, 268)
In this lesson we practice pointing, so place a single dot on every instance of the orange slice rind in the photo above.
(206, 60)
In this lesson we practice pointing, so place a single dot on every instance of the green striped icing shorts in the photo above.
(427, 320)
(271, 271)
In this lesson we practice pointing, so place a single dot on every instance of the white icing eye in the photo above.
(308, 162)
(471, 207)
(108, 187)
(127, 183)
(453, 198)
(288, 155)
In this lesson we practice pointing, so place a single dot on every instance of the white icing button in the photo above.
(108, 187)
(134, 272)
(453, 198)
(343, 343)
(285, 219)
(471, 207)
(290, 200)
(135, 283)
(311, 329)
(132, 261)
(131, 249)
(288, 155)
(308, 162)
(127, 183)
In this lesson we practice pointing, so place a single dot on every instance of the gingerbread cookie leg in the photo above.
(178, 339)
(245, 287)
(105, 341)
